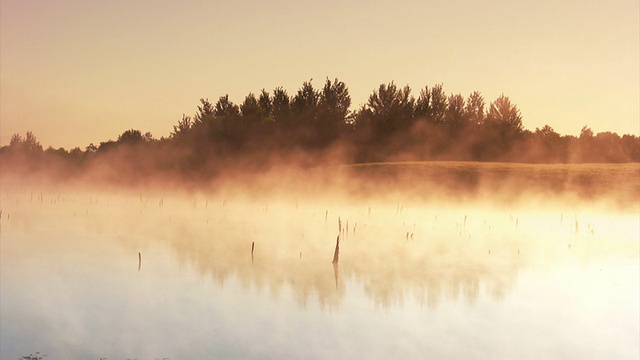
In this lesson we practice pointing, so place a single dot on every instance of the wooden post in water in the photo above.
(139, 261)
(253, 245)
(336, 255)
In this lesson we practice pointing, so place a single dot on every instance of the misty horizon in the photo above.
(315, 126)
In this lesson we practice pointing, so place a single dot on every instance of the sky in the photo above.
(76, 72)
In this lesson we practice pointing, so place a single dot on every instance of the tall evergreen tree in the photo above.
(225, 108)
(335, 101)
(304, 106)
(474, 108)
(391, 108)
(503, 113)
(281, 108)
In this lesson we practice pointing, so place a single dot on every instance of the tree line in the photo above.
(315, 122)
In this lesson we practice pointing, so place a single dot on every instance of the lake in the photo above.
(88, 274)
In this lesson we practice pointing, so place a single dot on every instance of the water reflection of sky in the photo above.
(461, 288)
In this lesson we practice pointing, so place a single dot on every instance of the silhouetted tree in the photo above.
(205, 114)
(422, 108)
(181, 130)
(547, 146)
(333, 109)
(131, 137)
(390, 125)
(586, 133)
(16, 141)
(438, 105)
(631, 147)
(547, 132)
(501, 129)
(607, 147)
(281, 109)
(304, 106)
(76, 153)
(106, 145)
(225, 108)
(58, 152)
(335, 102)
(503, 113)
(585, 145)
(474, 109)
(91, 148)
(250, 108)
(30, 144)
(265, 103)
(456, 115)
(391, 109)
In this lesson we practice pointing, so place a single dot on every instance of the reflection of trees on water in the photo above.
(431, 282)
(298, 258)
(272, 269)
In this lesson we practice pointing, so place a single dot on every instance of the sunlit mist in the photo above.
(239, 270)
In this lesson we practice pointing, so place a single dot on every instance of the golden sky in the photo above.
(77, 72)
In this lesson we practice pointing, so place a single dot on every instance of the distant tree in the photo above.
(91, 148)
(131, 137)
(16, 141)
(225, 108)
(548, 145)
(31, 143)
(631, 147)
(585, 145)
(265, 103)
(586, 133)
(182, 129)
(503, 113)
(76, 152)
(391, 108)
(362, 119)
(501, 129)
(432, 104)
(547, 132)
(607, 147)
(250, 108)
(59, 152)
(304, 106)
(423, 108)
(28, 144)
(205, 114)
(106, 145)
(335, 101)
(455, 114)
(281, 109)
(438, 105)
(474, 109)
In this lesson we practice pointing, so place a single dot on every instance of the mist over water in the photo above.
(453, 260)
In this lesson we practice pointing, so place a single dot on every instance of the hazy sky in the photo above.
(77, 72)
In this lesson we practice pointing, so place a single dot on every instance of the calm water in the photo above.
(412, 281)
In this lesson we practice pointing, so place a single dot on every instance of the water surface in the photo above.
(412, 280)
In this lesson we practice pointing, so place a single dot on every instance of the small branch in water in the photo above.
(139, 261)
(253, 245)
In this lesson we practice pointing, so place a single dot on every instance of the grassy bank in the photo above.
(618, 182)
